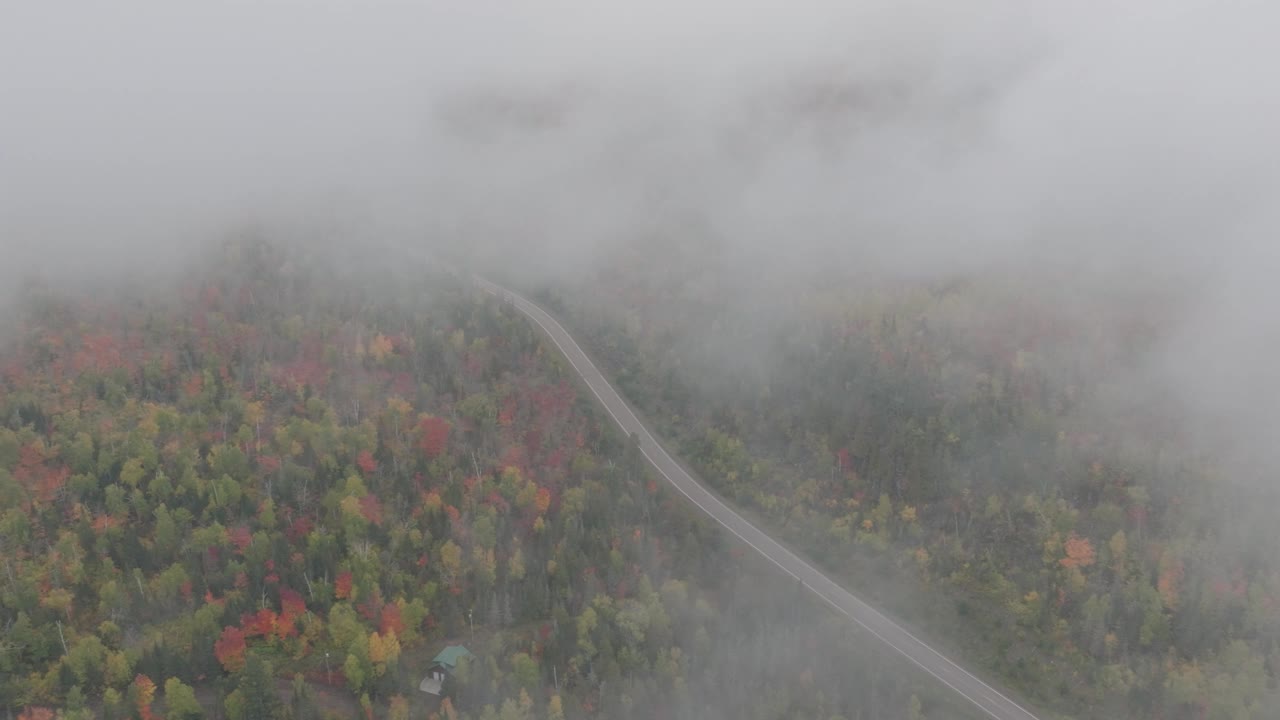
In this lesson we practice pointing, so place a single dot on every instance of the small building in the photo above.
(443, 664)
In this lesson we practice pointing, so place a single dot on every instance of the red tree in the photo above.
(433, 436)
(366, 463)
(1079, 552)
(269, 463)
(259, 624)
(33, 472)
(146, 695)
(291, 603)
(240, 537)
(342, 586)
(299, 529)
(391, 620)
(371, 509)
(230, 649)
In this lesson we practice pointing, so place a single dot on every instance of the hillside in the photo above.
(268, 468)
(980, 459)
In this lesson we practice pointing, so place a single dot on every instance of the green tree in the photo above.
(180, 701)
(354, 670)
(166, 534)
(234, 706)
(257, 688)
(113, 705)
(525, 671)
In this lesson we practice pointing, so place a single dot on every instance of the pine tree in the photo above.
(257, 687)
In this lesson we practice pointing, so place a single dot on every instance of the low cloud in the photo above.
(1104, 147)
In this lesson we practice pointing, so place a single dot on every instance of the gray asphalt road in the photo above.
(965, 684)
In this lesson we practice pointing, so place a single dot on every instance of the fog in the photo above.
(1110, 153)
(924, 131)
(1105, 147)
(1130, 144)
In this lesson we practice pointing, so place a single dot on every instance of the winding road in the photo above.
(986, 698)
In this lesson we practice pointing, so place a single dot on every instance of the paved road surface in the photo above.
(987, 698)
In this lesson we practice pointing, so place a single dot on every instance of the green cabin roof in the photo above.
(449, 656)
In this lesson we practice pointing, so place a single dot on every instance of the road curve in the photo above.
(985, 697)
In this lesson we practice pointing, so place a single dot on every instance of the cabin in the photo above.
(442, 665)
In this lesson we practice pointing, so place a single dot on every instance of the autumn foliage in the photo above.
(433, 436)
(43, 477)
(146, 694)
(342, 586)
(264, 466)
(259, 624)
(279, 466)
(366, 463)
(230, 649)
(1079, 552)
(291, 603)
(542, 501)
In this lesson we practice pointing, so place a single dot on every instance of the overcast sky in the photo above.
(1134, 139)
(962, 130)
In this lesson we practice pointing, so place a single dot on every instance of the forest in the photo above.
(275, 486)
(960, 451)
(969, 305)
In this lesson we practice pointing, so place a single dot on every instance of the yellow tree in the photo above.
(377, 653)
(384, 650)
(1119, 546)
(380, 347)
(555, 709)
(451, 559)
(399, 709)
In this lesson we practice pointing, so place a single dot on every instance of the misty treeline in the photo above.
(979, 457)
(276, 486)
